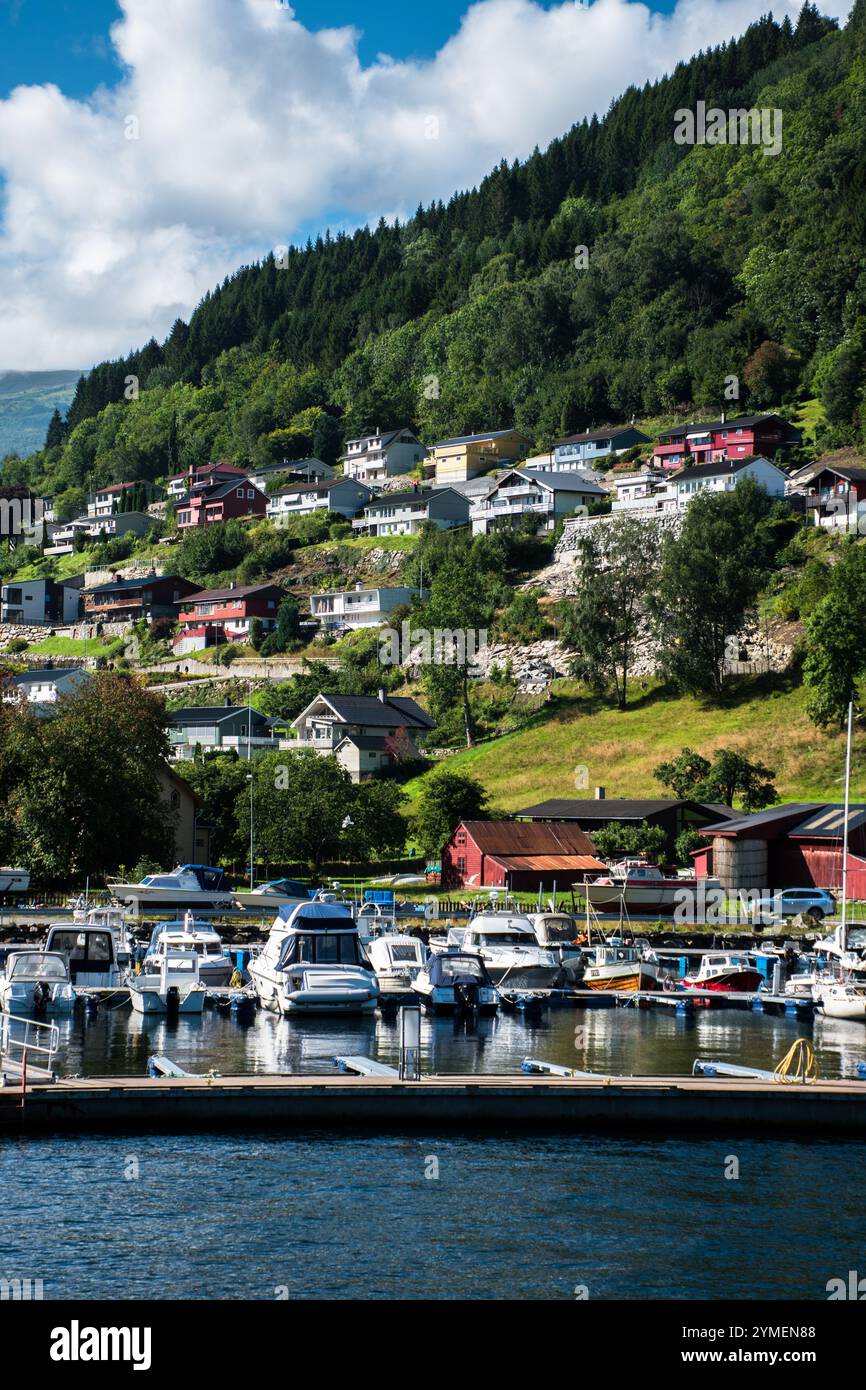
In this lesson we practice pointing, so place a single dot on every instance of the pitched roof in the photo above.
(718, 470)
(240, 591)
(610, 433)
(368, 709)
(517, 838)
(48, 673)
(387, 499)
(378, 441)
(486, 434)
(766, 824)
(736, 422)
(212, 492)
(557, 482)
(579, 809)
(829, 822)
(213, 714)
(547, 863)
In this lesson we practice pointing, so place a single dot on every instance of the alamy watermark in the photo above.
(22, 518)
(438, 646)
(755, 126)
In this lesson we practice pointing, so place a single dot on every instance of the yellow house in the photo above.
(458, 460)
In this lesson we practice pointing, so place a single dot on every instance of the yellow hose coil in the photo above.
(798, 1064)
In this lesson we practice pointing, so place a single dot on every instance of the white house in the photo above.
(642, 492)
(724, 475)
(343, 496)
(585, 450)
(404, 513)
(39, 602)
(44, 687)
(520, 492)
(101, 528)
(376, 457)
(364, 732)
(358, 607)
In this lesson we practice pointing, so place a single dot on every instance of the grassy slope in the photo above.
(765, 721)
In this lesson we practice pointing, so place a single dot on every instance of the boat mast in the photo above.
(843, 929)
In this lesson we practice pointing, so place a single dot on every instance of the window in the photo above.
(240, 492)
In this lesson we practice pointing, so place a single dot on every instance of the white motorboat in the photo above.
(174, 989)
(561, 933)
(14, 880)
(456, 982)
(93, 953)
(642, 889)
(34, 981)
(268, 897)
(314, 962)
(397, 958)
(840, 999)
(113, 919)
(506, 942)
(174, 938)
(197, 886)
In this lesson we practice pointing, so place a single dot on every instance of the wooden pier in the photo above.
(684, 1105)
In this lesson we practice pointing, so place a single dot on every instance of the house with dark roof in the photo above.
(518, 856)
(740, 437)
(208, 504)
(202, 475)
(148, 597)
(43, 688)
(587, 450)
(366, 733)
(469, 455)
(591, 814)
(834, 488)
(219, 729)
(723, 476)
(547, 496)
(404, 513)
(376, 457)
(291, 470)
(796, 845)
(209, 616)
(342, 497)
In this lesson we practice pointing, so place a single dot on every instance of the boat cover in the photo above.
(317, 916)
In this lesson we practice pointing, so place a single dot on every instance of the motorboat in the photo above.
(397, 958)
(111, 918)
(841, 999)
(174, 988)
(36, 981)
(561, 933)
(726, 972)
(456, 982)
(616, 965)
(279, 892)
(198, 886)
(91, 951)
(642, 889)
(314, 962)
(14, 880)
(172, 938)
(506, 942)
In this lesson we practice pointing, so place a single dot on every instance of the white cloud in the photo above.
(251, 127)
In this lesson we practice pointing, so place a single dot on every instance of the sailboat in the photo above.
(844, 996)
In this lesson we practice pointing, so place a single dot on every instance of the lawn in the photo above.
(78, 646)
(579, 739)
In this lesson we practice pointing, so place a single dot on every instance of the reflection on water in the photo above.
(508, 1216)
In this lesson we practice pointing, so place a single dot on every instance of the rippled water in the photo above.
(525, 1216)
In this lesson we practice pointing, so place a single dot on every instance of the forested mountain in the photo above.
(27, 402)
(701, 263)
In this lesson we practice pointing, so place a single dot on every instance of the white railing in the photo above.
(40, 1042)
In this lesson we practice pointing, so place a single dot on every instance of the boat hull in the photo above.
(443, 1000)
(731, 982)
(656, 900)
(213, 973)
(152, 1001)
(629, 979)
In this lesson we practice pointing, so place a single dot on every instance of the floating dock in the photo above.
(684, 1105)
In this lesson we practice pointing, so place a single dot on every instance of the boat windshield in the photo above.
(610, 955)
(557, 928)
(323, 948)
(405, 951)
(515, 937)
(81, 945)
(39, 967)
(459, 967)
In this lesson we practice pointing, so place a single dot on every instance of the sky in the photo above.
(149, 147)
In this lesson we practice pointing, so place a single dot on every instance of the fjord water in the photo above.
(532, 1216)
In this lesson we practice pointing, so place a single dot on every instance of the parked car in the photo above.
(788, 902)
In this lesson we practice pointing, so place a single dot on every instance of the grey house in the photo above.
(582, 450)
(404, 513)
(219, 728)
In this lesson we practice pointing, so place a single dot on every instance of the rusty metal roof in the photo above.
(547, 863)
(527, 837)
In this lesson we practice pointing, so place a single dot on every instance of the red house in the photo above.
(225, 615)
(517, 855)
(743, 436)
(211, 503)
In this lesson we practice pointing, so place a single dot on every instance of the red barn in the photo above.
(517, 855)
(798, 845)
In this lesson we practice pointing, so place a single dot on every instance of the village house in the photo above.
(796, 845)
(131, 600)
(365, 733)
(645, 491)
(97, 529)
(40, 602)
(723, 476)
(341, 496)
(108, 500)
(209, 616)
(348, 609)
(219, 729)
(292, 470)
(376, 457)
(743, 436)
(592, 813)
(209, 504)
(469, 455)
(547, 496)
(587, 450)
(518, 857)
(404, 513)
(834, 488)
(43, 688)
(203, 475)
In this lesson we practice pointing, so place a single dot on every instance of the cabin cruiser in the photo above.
(456, 982)
(280, 892)
(560, 932)
(726, 972)
(172, 988)
(34, 981)
(112, 919)
(397, 958)
(506, 942)
(172, 938)
(615, 965)
(14, 880)
(92, 953)
(314, 962)
(643, 889)
(198, 886)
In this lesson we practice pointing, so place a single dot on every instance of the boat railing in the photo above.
(30, 1050)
